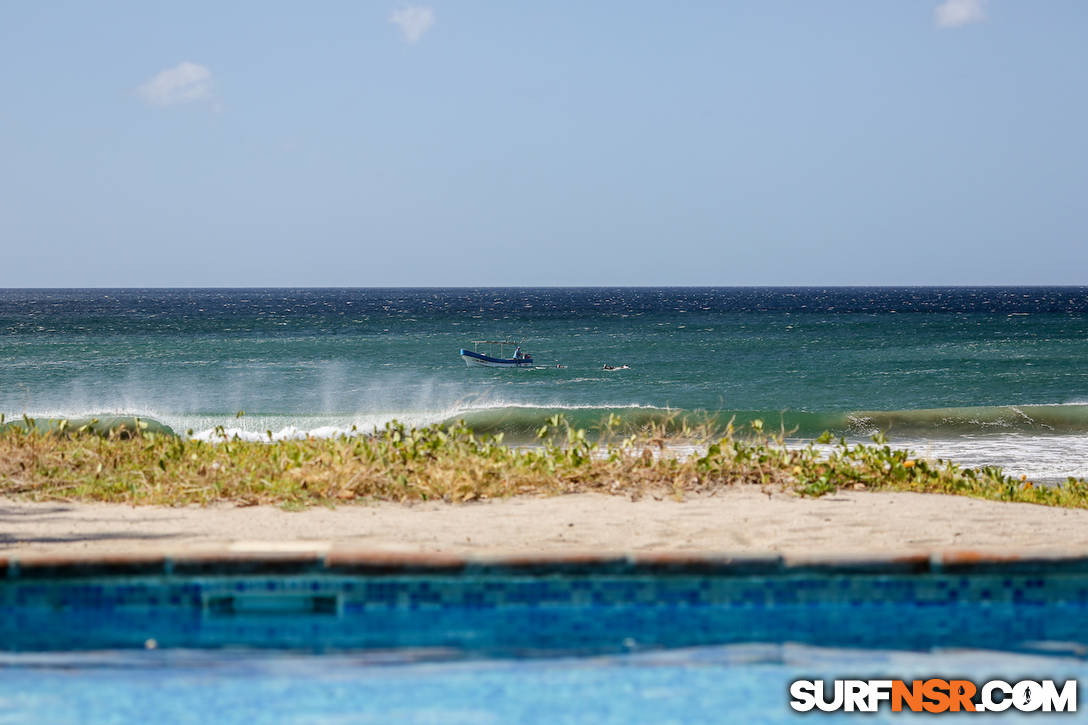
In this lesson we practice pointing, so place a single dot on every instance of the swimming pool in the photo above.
(360, 637)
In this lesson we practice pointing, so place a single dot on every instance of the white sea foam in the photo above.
(287, 427)
(1040, 458)
(1037, 457)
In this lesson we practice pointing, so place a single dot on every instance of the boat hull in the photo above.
(475, 359)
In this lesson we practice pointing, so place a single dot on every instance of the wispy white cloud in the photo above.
(954, 13)
(184, 83)
(413, 21)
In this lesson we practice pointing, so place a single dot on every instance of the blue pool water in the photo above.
(620, 641)
(740, 683)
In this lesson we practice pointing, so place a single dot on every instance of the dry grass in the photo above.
(450, 463)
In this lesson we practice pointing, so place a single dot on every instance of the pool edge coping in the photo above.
(351, 561)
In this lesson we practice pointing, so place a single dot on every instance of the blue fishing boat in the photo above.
(494, 355)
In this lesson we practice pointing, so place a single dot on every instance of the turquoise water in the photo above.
(989, 375)
(747, 683)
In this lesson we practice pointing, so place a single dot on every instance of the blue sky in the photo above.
(547, 143)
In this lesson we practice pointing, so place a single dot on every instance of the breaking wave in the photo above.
(521, 421)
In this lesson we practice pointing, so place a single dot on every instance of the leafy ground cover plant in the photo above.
(129, 464)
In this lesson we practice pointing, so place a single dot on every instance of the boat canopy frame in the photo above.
(500, 343)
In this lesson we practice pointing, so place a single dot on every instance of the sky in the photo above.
(547, 143)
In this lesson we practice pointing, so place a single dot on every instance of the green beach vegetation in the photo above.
(131, 463)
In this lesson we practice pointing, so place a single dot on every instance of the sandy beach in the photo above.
(740, 520)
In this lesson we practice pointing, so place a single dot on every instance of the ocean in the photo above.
(986, 376)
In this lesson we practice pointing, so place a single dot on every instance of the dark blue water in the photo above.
(984, 374)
